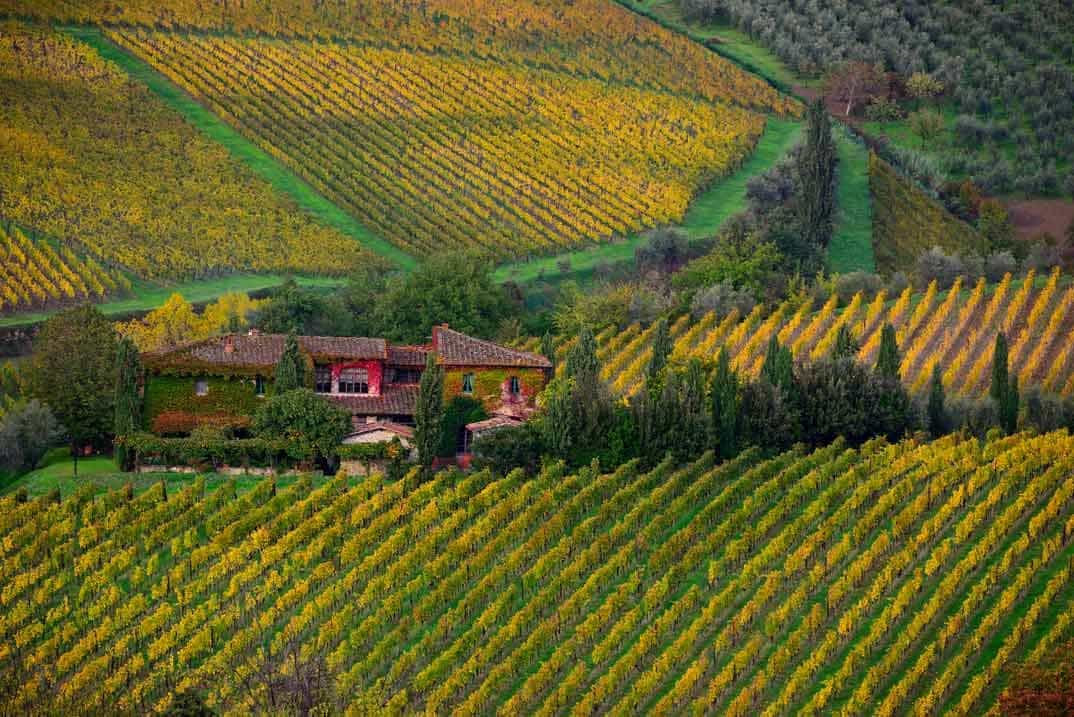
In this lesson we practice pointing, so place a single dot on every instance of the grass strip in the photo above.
(245, 151)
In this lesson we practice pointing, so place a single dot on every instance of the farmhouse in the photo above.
(222, 380)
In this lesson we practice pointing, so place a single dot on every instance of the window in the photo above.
(467, 383)
(259, 385)
(201, 387)
(323, 379)
(354, 380)
(405, 375)
(515, 386)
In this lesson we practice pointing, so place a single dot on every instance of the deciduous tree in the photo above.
(73, 370)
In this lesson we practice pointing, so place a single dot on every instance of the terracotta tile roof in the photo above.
(398, 400)
(408, 355)
(494, 422)
(264, 350)
(457, 349)
(361, 428)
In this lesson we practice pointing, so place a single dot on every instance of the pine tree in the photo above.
(846, 346)
(815, 202)
(291, 368)
(999, 372)
(661, 349)
(429, 413)
(128, 406)
(723, 407)
(887, 360)
(937, 412)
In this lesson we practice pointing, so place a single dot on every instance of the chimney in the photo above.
(253, 332)
(229, 345)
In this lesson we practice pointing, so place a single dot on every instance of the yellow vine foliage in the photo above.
(100, 163)
(722, 588)
(444, 151)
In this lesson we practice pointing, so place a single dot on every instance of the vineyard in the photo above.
(906, 574)
(585, 38)
(908, 222)
(98, 162)
(441, 151)
(955, 330)
(33, 273)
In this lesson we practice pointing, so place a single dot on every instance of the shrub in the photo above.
(721, 298)
(508, 448)
(303, 418)
(999, 264)
(847, 285)
(883, 109)
(935, 264)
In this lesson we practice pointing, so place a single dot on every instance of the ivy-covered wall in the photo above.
(490, 385)
(171, 403)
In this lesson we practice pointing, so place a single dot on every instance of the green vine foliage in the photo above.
(227, 397)
(908, 222)
(204, 453)
(489, 383)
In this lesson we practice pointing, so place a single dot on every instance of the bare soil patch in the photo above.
(1033, 217)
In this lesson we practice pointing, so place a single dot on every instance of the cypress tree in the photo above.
(128, 406)
(291, 368)
(846, 346)
(723, 407)
(582, 363)
(887, 360)
(548, 349)
(429, 413)
(1009, 413)
(696, 426)
(1000, 383)
(778, 366)
(557, 423)
(661, 349)
(937, 412)
(815, 202)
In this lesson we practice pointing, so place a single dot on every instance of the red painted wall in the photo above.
(375, 369)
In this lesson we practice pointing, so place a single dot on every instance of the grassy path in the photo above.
(147, 297)
(851, 248)
(245, 151)
(704, 217)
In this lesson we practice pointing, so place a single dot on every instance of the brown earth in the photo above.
(1033, 217)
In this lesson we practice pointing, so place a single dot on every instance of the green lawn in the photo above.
(57, 472)
(280, 177)
(723, 39)
(704, 217)
(851, 248)
(146, 297)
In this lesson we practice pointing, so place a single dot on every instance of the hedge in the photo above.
(149, 449)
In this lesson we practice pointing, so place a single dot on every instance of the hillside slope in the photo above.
(905, 575)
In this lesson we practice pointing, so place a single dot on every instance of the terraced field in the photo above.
(955, 330)
(884, 580)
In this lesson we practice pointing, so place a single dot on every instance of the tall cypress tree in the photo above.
(815, 202)
(1009, 410)
(291, 368)
(887, 360)
(128, 406)
(1000, 382)
(548, 349)
(723, 407)
(937, 412)
(696, 426)
(846, 346)
(661, 349)
(582, 363)
(778, 366)
(429, 413)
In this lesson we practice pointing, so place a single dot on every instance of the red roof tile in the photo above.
(457, 349)
(264, 350)
(398, 400)
(408, 355)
